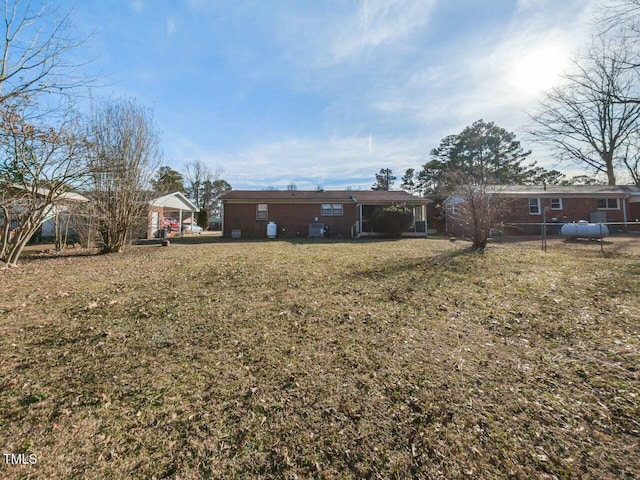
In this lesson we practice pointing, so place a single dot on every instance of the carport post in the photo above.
(424, 217)
(180, 224)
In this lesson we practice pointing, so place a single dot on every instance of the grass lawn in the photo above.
(400, 359)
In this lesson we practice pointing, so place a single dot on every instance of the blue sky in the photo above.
(328, 92)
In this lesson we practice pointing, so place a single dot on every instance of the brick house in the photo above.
(298, 213)
(529, 204)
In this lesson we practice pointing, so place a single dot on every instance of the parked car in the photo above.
(188, 228)
(170, 224)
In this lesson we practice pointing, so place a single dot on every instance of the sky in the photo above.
(328, 92)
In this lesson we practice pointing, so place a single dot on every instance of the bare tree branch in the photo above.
(583, 121)
(123, 155)
(40, 167)
(35, 53)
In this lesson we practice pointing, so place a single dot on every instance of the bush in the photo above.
(203, 219)
(392, 220)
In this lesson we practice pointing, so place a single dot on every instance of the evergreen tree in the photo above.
(168, 180)
(408, 181)
(384, 180)
(483, 152)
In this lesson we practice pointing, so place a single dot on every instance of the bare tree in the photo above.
(205, 187)
(40, 165)
(196, 175)
(620, 17)
(123, 155)
(631, 158)
(42, 153)
(34, 53)
(479, 207)
(583, 121)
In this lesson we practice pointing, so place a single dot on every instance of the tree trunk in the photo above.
(608, 161)
(6, 230)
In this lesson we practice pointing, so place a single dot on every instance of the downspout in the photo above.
(222, 217)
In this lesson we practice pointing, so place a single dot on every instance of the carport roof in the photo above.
(175, 200)
(592, 191)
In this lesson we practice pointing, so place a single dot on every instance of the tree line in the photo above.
(484, 152)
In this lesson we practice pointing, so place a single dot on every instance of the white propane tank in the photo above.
(272, 230)
(584, 229)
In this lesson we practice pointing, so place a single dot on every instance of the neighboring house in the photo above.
(215, 223)
(173, 205)
(526, 204)
(60, 212)
(298, 213)
(61, 207)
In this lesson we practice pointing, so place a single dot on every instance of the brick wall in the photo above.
(573, 210)
(292, 219)
(150, 226)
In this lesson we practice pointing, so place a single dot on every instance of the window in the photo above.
(454, 209)
(331, 209)
(608, 204)
(262, 211)
(556, 204)
(534, 206)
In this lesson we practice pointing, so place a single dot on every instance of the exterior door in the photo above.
(155, 223)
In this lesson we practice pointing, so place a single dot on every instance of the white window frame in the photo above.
(617, 207)
(559, 203)
(454, 209)
(331, 210)
(262, 212)
(539, 212)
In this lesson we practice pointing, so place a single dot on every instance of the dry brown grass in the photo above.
(404, 359)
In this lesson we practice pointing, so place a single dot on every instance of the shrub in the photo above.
(392, 220)
(203, 219)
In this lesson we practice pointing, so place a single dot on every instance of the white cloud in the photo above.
(531, 4)
(491, 80)
(171, 26)
(137, 5)
(330, 162)
(346, 35)
(391, 98)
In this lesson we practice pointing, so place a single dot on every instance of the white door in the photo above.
(155, 223)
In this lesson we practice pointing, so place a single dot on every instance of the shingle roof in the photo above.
(566, 190)
(319, 196)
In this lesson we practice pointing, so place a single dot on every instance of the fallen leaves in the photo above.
(353, 359)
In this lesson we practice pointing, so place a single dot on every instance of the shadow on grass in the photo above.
(335, 240)
(33, 255)
(430, 264)
(208, 239)
(186, 240)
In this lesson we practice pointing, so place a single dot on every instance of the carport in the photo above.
(174, 205)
